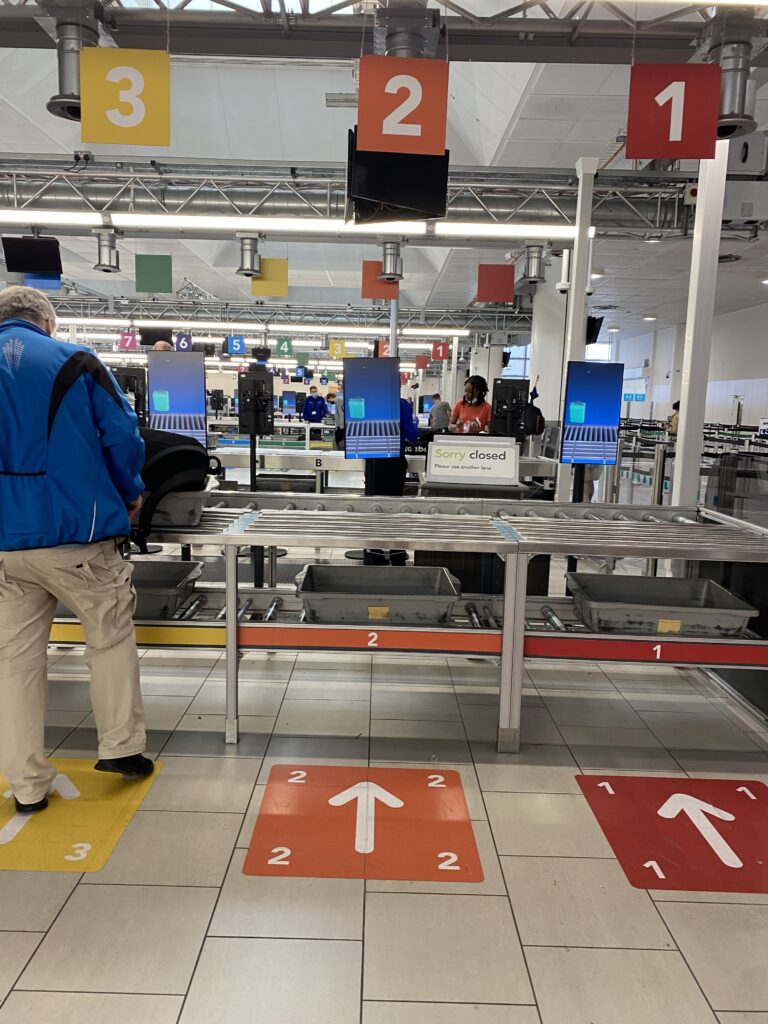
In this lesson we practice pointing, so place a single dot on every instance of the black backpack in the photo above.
(172, 462)
(533, 420)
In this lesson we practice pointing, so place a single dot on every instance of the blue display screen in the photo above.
(47, 282)
(176, 384)
(593, 394)
(289, 403)
(372, 408)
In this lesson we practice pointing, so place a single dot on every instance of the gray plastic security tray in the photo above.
(647, 604)
(363, 594)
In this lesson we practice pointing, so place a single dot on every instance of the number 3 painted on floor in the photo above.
(131, 96)
(81, 851)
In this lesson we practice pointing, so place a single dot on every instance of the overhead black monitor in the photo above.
(32, 255)
(396, 186)
(593, 393)
(261, 353)
(594, 323)
(149, 335)
(425, 403)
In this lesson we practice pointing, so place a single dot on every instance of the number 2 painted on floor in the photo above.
(373, 639)
(448, 861)
(282, 856)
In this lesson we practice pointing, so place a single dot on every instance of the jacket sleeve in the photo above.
(118, 430)
(408, 426)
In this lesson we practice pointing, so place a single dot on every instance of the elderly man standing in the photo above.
(70, 464)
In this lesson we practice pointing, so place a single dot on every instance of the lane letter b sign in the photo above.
(673, 111)
(403, 105)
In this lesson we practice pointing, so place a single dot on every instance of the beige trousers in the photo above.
(94, 582)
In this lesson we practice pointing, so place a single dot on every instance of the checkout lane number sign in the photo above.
(126, 96)
(489, 462)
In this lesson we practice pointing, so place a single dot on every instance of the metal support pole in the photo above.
(576, 318)
(272, 567)
(394, 310)
(657, 496)
(698, 326)
(512, 641)
(231, 725)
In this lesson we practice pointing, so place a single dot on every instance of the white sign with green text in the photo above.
(485, 461)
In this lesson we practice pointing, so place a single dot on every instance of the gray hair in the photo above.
(19, 303)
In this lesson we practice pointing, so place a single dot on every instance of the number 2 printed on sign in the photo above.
(394, 123)
(403, 105)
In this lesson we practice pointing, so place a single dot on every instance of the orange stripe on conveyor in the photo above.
(279, 637)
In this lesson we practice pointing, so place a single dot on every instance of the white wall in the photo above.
(738, 367)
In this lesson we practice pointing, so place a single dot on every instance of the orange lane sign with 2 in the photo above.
(383, 823)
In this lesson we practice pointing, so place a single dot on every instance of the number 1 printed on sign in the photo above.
(674, 94)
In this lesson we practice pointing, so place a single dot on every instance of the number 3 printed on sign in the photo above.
(130, 96)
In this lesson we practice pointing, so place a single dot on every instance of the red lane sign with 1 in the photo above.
(701, 835)
(386, 823)
(673, 111)
(403, 105)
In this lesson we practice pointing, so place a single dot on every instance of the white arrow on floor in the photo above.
(746, 792)
(62, 785)
(699, 812)
(366, 794)
(608, 788)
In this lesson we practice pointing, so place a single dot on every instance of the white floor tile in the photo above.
(725, 946)
(203, 784)
(447, 1013)
(545, 825)
(171, 848)
(608, 986)
(573, 902)
(443, 949)
(538, 768)
(323, 718)
(288, 908)
(262, 699)
(30, 900)
(414, 742)
(402, 701)
(584, 708)
(15, 950)
(76, 1007)
(292, 981)
(123, 938)
(697, 732)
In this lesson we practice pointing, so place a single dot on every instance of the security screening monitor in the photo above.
(510, 398)
(257, 411)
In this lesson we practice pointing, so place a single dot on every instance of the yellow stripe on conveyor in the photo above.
(161, 636)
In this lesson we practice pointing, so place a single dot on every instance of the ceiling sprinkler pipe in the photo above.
(391, 262)
(108, 261)
(404, 42)
(737, 91)
(70, 39)
(250, 261)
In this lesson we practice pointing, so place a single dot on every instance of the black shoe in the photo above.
(31, 808)
(134, 767)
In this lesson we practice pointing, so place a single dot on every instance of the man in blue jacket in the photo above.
(70, 465)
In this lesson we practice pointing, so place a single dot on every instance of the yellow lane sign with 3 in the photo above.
(126, 96)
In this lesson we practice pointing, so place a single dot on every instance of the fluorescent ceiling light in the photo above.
(613, 330)
(61, 218)
(503, 232)
(95, 321)
(203, 325)
(340, 330)
(650, 319)
(435, 332)
(280, 225)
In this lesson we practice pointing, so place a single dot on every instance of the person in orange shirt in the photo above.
(472, 414)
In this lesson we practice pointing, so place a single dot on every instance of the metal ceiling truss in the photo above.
(483, 321)
(527, 31)
(625, 203)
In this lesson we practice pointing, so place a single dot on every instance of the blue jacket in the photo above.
(315, 410)
(70, 451)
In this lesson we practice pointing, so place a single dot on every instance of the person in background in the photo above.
(472, 413)
(439, 414)
(315, 410)
(339, 432)
(70, 478)
(162, 346)
(674, 420)
(592, 474)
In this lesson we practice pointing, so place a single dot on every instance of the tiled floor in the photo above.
(172, 932)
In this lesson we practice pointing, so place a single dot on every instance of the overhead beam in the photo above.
(246, 34)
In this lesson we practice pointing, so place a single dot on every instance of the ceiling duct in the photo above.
(406, 28)
(108, 261)
(391, 262)
(250, 261)
(533, 266)
(74, 30)
(731, 46)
